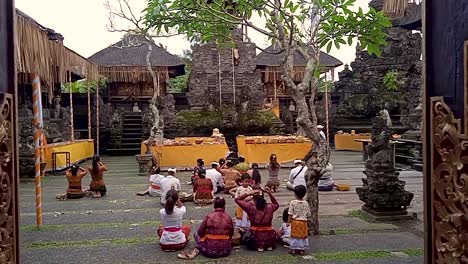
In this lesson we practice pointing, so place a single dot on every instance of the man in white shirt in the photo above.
(169, 183)
(216, 177)
(297, 175)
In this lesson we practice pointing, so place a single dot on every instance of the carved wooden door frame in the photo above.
(9, 244)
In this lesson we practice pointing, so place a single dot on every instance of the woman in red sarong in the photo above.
(203, 189)
(260, 213)
(214, 235)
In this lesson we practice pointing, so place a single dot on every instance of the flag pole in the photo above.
(37, 110)
(72, 128)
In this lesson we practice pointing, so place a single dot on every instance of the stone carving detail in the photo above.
(116, 130)
(449, 188)
(210, 61)
(361, 91)
(382, 191)
(7, 182)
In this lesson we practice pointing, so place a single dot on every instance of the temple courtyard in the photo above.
(121, 227)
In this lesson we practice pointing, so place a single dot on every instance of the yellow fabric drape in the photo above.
(346, 142)
(260, 153)
(79, 150)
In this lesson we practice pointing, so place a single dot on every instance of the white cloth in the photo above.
(300, 178)
(323, 135)
(216, 178)
(172, 220)
(169, 183)
(155, 179)
(298, 244)
(285, 229)
(244, 222)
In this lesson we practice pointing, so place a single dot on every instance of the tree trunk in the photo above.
(154, 107)
(313, 200)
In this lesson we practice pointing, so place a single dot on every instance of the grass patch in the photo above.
(358, 214)
(416, 252)
(339, 232)
(92, 226)
(92, 243)
(349, 255)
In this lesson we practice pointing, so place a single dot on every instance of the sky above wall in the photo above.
(83, 23)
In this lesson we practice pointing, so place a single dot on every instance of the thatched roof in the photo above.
(412, 17)
(125, 61)
(40, 50)
(269, 59)
(131, 51)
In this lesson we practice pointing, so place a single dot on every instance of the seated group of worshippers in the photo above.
(75, 174)
(214, 236)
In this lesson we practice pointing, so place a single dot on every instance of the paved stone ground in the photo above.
(121, 227)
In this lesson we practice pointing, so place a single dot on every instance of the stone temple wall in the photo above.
(204, 81)
(360, 92)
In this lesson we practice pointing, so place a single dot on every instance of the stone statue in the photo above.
(155, 118)
(382, 192)
(379, 151)
(57, 100)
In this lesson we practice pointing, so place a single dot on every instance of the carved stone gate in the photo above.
(8, 156)
(446, 130)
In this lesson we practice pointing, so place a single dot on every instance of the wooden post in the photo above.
(72, 129)
(233, 77)
(326, 109)
(37, 108)
(274, 84)
(219, 78)
(97, 120)
(89, 108)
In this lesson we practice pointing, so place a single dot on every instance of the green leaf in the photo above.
(329, 46)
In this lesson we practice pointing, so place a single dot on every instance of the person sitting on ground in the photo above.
(200, 166)
(203, 189)
(273, 170)
(173, 236)
(222, 163)
(254, 172)
(155, 179)
(97, 186)
(284, 233)
(169, 183)
(242, 166)
(261, 235)
(326, 182)
(230, 177)
(214, 235)
(242, 220)
(74, 176)
(297, 175)
(216, 177)
(299, 212)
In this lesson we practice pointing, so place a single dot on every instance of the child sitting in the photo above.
(298, 214)
(284, 233)
(242, 220)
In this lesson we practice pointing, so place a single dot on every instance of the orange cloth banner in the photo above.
(346, 142)
(260, 153)
(79, 150)
(183, 157)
